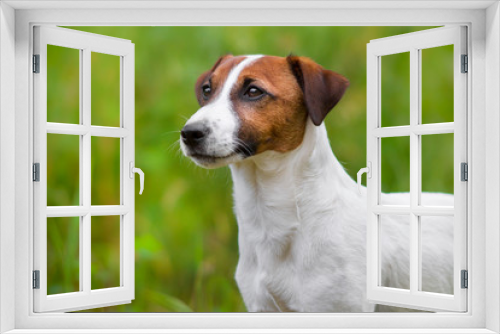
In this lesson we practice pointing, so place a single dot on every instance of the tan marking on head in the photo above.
(277, 121)
(297, 88)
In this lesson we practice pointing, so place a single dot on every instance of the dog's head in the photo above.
(252, 104)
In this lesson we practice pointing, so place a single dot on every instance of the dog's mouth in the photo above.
(213, 161)
(207, 157)
(217, 158)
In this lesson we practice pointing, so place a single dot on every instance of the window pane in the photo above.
(395, 251)
(63, 85)
(63, 255)
(105, 249)
(105, 90)
(395, 170)
(395, 94)
(63, 169)
(437, 169)
(436, 247)
(437, 84)
(105, 171)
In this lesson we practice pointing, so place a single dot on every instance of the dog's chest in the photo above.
(282, 262)
(296, 246)
(269, 270)
(290, 269)
(268, 239)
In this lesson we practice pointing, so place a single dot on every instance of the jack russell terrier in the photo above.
(301, 220)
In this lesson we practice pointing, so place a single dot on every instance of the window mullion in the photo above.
(85, 264)
(414, 167)
(81, 181)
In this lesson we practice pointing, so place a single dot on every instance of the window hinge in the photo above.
(36, 63)
(465, 64)
(36, 172)
(465, 279)
(464, 168)
(36, 279)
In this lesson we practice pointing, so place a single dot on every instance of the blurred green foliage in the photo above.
(63, 85)
(105, 89)
(437, 83)
(395, 89)
(105, 171)
(395, 161)
(105, 252)
(186, 234)
(62, 254)
(63, 166)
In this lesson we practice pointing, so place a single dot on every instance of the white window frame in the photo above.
(16, 125)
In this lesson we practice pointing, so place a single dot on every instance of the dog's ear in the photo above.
(322, 88)
(205, 75)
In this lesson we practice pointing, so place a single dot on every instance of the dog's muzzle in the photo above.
(206, 148)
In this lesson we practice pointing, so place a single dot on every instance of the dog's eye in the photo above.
(253, 93)
(207, 90)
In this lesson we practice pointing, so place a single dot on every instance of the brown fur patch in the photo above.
(277, 121)
(322, 88)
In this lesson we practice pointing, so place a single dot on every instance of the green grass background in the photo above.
(186, 234)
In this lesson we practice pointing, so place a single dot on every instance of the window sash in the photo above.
(413, 43)
(85, 298)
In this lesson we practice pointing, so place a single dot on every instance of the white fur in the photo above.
(302, 234)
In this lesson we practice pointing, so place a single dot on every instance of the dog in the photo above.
(301, 220)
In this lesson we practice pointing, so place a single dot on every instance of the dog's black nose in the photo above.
(194, 134)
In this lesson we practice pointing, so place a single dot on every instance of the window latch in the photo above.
(139, 171)
(368, 171)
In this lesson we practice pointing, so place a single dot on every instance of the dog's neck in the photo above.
(278, 192)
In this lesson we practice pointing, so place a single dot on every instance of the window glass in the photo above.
(63, 259)
(437, 169)
(437, 84)
(105, 171)
(436, 263)
(63, 85)
(105, 90)
(105, 247)
(395, 94)
(395, 170)
(395, 251)
(63, 170)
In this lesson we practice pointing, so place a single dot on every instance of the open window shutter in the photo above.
(84, 295)
(415, 212)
